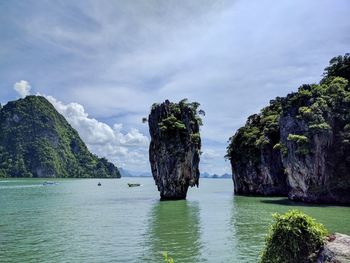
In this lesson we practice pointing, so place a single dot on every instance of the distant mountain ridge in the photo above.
(216, 176)
(37, 141)
(127, 173)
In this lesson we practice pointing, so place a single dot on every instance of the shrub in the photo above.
(281, 147)
(195, 138)
(167, 258)
(320, 126)
(171, 123)
(302, 143)
(277, 146)
(300, 139)
(292, 238)
(305, 112)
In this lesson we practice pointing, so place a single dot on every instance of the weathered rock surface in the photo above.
(264, 177)
(175, 148)
(336, 250)
(299, 146)
(317, 171)
(256, 165)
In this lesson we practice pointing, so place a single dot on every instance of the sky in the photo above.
(102, 64)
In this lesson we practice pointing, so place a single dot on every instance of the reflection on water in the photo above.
(25, 220)
(174, 226)
(249, 227)
(77, 221)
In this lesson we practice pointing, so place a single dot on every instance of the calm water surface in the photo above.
(77, 221)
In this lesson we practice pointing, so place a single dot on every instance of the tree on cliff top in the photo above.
(338, 67)
(173, 121)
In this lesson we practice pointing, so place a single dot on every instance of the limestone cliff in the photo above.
(175, 147)
(299, 145)
(256, 164)
(317, 159)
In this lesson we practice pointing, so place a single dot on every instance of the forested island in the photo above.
(37, 141)
(299, 145)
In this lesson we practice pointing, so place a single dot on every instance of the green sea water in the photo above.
(77, 221)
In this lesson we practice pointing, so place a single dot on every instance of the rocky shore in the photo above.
(335, 250)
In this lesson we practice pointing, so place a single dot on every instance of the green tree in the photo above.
(338, 67)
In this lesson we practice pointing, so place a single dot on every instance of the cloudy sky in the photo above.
(103, 63)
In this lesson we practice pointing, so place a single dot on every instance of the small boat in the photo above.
(133, 185)
(47, 183)
(99, 184)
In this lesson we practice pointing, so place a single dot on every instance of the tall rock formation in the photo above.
(307, 154)
(256, 162)
(175, 147)
(37, 141)
(315, 127)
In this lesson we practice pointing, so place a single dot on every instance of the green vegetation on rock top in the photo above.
(37, 141)
(260, 130)
(173, 121)
(312, 104)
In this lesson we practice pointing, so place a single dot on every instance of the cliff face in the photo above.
(256, 164)
(175, 147)
(315, 136)
(299, 145)
(37, 141)
(261, 179)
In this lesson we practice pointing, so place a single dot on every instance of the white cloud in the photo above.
(126, 149)
(212, 160)
(210, 154)
(231, 56)
(23, 88)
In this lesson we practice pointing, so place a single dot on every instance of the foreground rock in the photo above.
(295, 237)
(336, 249)
(299, 146)
(175, 147)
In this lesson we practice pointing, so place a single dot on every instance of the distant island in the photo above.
(128, 173)
(37, 141)
(299, 145)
